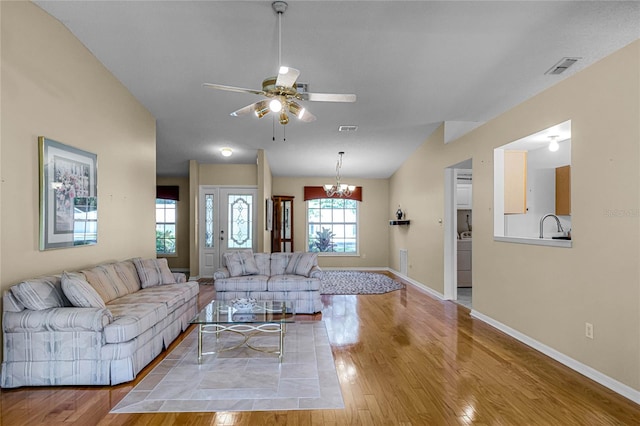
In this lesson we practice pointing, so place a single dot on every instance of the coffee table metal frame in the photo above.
(265, 317)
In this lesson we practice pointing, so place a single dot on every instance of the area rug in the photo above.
(355, 282)
(242, 379)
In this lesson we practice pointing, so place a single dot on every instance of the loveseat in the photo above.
(98, 326)
(271, 276)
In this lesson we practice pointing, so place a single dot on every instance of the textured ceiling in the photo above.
(413, 65)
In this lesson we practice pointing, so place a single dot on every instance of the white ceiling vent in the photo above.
(562, 66)
(347, 128)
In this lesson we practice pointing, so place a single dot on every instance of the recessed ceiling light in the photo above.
(226, 152)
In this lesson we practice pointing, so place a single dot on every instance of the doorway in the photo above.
(458, 231)
(227, 221)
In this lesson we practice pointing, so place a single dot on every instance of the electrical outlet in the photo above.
(588, 330)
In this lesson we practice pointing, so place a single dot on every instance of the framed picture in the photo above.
(68, 196)
(269, 213)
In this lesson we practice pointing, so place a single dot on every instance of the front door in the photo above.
(227, 222)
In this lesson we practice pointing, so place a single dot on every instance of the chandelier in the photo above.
(339, 189)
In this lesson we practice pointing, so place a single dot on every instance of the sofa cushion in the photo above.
(279, 262)
(128, 273)
(245, 283)
(131, 320)
(153, 272)
(301, 263)
(292, 283)
(263, 260)
(10, 303)
(109, 281)
(79, 291)
(172, 295)
(240, 263)
(40, 293)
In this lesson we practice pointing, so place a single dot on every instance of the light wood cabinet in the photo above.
(282, 233)
(563, 191)
(515, 182)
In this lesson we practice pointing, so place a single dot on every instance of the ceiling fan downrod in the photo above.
(279, 7)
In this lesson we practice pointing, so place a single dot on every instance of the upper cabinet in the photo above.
(464, 196)
(515, 182)
(563, 191)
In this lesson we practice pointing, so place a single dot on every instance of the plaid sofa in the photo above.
(271, 276)
(99, 326)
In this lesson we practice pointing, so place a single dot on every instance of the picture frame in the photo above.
(68, 196)
(269, 213)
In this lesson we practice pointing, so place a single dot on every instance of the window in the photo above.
(166, 215)
(332, 226)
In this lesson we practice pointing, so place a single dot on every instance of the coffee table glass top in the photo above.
(261, 311)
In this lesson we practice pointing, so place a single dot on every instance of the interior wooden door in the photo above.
(282, 234)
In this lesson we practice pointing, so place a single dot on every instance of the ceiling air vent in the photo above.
(347, 128)
(562, 66)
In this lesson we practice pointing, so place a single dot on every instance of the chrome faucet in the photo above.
(557, 221)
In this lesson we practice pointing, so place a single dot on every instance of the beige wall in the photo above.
(265, 181)
(181, 261)
(549, 293)
(221, 175)
(228, 174)
(53, 86)
(373, 221)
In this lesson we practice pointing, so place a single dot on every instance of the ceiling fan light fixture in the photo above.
(275, 105)
(284, 70)
(284, 118)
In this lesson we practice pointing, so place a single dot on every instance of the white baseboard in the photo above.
(585, 370)
(351, 268)
(423, 288)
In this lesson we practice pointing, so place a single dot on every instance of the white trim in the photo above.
(585, 370)
(423, 288)
(355, 268)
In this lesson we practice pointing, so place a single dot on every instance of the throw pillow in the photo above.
(79, 291)
(301, 263)
(153, 272)
(241, 263)
(39, 293)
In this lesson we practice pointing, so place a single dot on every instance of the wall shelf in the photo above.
(399, 222)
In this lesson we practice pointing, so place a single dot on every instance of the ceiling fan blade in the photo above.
(287, 77)
(301, 113)
(232, 88)
(260, 108)
(328, 97)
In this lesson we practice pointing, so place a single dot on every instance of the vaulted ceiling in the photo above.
(413, 65)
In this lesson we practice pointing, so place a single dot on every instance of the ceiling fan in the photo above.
(281, 91)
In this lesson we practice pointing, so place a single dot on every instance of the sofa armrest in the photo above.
(180, 277)
(316, 272)
(57, 319)
(221, 273)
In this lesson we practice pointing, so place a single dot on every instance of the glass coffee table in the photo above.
(247, 318)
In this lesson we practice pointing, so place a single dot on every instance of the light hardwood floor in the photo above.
(403, 358)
